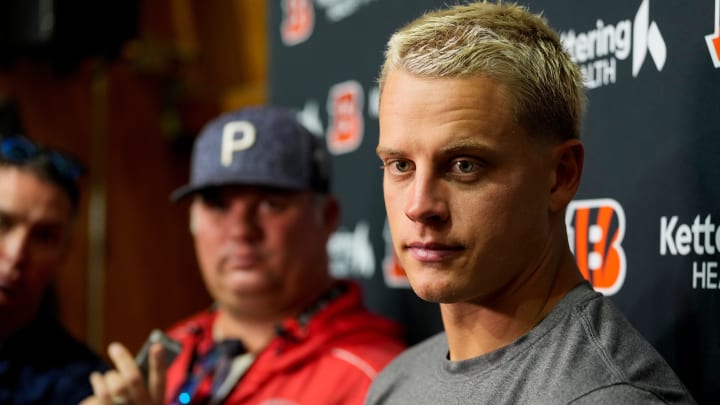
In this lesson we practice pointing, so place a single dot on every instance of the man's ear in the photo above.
(192, 216)
(568, 159)
(331, 213)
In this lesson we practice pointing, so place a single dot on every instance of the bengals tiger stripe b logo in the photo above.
(345, 113)
(298, 21)
(595, 231)
(393, 273)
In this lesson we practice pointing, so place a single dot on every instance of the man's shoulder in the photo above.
(346, 322)
(370, 352)
(54, 345)
(584, 348)
(596, 352)
(47, 361)
(626, 394)
(350, 333)
(598, 327)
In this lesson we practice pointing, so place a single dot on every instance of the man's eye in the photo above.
(399, 166)
(50, 235)
(212, 199)
(465, 166)
(274, 204)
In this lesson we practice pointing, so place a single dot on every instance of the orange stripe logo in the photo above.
(595, 232)
(393, 273)
(345, 112)
(713, 40)
(298, 21)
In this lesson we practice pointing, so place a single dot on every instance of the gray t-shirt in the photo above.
(583, 352)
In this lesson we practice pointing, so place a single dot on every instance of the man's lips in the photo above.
(433, 251)
(7, 281)
(7, 287)
(243, 261)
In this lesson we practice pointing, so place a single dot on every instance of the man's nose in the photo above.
(13, 247)
(428, 200)
(243, 220)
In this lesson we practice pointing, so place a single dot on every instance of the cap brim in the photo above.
(189, 189)
(183, 192)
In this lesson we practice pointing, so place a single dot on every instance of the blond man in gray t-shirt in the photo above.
(480, 115)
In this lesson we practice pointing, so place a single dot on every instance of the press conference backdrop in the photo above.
(645, 224)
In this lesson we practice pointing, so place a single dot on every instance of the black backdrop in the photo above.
(645, 225)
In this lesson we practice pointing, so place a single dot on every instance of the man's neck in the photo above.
(477, 328)
(257, 332)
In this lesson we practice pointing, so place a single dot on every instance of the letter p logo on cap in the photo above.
(232, 143)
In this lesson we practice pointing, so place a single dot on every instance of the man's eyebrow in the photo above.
(387, 151)
(462, 146)
(465, 146)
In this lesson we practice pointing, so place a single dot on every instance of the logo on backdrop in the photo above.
(351, 253)
(345, 113)
(298, 16)
(309, 116)
(336, 10)
(298, 21)
(598, 50)
(393, 273)
(713, 40)
(595, 231)
(699, 239)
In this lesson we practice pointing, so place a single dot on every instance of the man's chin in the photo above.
(429, 292)
(247, 282)
(7, 300)
(438, 290)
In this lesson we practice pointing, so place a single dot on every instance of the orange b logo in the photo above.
(345, 112)
(393, 272)
(298, 21)
(595, 231)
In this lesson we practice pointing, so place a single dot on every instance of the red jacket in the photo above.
(331, 360)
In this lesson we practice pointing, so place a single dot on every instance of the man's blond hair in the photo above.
(504, 42)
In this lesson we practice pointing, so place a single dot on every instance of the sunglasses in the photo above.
(20, 150)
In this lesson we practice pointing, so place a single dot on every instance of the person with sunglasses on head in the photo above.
(40, 361)
(261, 214)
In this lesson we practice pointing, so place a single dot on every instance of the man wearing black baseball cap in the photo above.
(261, 215)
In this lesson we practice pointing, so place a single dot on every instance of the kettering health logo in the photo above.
(598, 50)
(713, 40)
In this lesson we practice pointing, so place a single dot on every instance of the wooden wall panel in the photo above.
(192, 60)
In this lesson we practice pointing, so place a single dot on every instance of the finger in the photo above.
(116, 384)
(156, 374)
(91, 401)
(108, 389)
(130, 381)
(100, 389)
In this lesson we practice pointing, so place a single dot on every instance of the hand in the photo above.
(125, 384)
